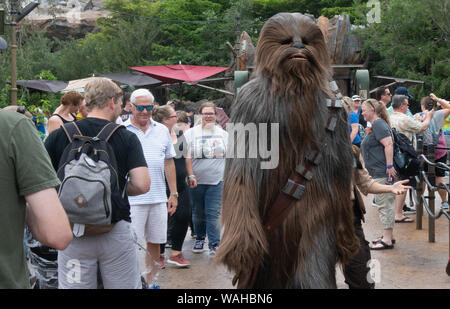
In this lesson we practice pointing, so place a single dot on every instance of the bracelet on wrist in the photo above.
(191, 176)
(389, 166)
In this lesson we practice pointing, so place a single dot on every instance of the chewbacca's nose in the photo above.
(298, 45)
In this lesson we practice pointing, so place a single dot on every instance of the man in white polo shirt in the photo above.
(149, 211)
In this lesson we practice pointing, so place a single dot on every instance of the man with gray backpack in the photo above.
(99, 164)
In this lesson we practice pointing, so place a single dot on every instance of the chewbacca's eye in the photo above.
(285, 42)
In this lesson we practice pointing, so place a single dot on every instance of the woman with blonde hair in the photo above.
(377, 150)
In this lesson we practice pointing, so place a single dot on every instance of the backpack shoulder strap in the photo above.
(394, 136)
(107, 131)
(71, 129)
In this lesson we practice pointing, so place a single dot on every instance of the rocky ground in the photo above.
(73, 18)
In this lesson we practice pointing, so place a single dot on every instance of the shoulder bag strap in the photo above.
(107, 131)
(71, 130)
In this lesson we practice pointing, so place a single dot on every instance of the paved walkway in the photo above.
(413, 263)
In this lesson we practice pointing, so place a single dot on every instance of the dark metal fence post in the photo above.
(431, 174)
(419, 186)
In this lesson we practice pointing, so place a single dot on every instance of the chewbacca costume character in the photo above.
(291, 87)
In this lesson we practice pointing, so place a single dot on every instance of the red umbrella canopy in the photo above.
(179, 72)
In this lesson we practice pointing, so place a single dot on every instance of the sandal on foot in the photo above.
(384, 246)
(380, 239)
(404, 220)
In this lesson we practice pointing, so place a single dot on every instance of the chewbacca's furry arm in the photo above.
(243, 242)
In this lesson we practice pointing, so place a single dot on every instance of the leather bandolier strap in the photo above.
(293, 190)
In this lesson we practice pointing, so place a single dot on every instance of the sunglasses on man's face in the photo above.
(141, 108)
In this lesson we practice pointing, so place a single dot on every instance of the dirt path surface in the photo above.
(413, 263)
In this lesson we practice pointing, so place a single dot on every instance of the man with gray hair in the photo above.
(113, 252)
(407, 126)
(401, 91)
(149, 211)
(404, 124)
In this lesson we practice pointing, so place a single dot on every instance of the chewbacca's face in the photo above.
(291, 44)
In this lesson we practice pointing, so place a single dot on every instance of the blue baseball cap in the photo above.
(403, 91)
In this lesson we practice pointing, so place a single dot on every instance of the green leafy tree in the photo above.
(412, 41)
(267, 8)
(33, 57)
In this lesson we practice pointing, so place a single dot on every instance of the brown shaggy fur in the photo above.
(289, 87)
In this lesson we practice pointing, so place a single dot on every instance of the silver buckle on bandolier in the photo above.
(294, 189)
(332, 118)
(334, 87)
(331, 122)
(333, 104)
(314, 157)
(304, 171)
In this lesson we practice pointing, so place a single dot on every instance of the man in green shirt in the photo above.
(26, 175)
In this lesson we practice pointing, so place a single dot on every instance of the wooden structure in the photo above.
(395, 81)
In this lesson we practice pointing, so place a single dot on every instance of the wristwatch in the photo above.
(174, 194)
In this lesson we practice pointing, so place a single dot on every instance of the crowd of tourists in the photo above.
(371, 125)
(163, 178)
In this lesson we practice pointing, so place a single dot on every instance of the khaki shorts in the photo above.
(386, 207)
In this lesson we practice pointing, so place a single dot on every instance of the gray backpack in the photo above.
(89, 178)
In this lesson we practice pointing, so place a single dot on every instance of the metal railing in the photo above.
(429, 179)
